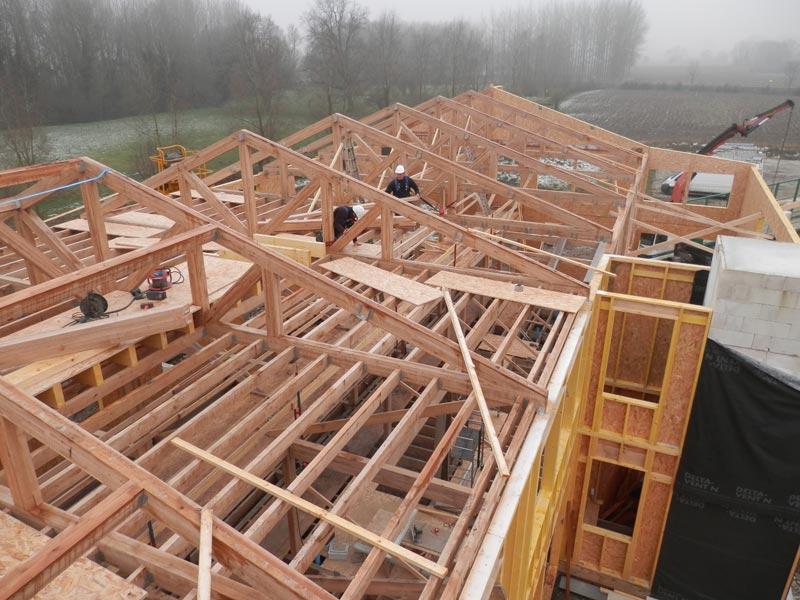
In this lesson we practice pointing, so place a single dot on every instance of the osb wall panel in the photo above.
(601, 325)
(647, 539)
(613, 557)
(660, 350)
(678, 291)
(591, 549)
(636, 340)
(678, 397)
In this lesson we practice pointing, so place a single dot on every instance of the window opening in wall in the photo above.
(613, 497)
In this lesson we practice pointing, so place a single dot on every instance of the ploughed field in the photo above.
(681, 118)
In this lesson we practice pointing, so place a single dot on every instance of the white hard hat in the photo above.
(359, 210)
(399, 170)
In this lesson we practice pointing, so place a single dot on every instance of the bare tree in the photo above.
(335, 57)
(265, 68)
(385, 52)
(21, 138)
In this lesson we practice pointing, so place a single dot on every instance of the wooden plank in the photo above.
(402, 554)
(390, 283)
(83, 579)
(204, 555)
(507, 291)
(291, 240)
(115, 330)
(141, 219)
(300, 255)
(115, 229)
(494, 441)
(30, 576)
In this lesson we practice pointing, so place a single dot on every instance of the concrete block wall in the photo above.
(754, 290)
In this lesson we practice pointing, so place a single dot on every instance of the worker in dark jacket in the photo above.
(344, 217)
(402, 185)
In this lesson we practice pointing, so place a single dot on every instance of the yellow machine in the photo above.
(166, 156)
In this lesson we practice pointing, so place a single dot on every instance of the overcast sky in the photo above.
(697, 25)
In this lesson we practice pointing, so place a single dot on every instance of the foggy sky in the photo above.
(697, 25)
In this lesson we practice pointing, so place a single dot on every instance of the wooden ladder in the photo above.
(349, 158)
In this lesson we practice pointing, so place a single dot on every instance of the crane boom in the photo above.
(744, 129)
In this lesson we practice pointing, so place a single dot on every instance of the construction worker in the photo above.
(344, 217)
(402, 185)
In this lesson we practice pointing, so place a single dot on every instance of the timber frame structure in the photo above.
(427, 407)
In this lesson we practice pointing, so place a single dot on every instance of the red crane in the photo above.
(679, 181)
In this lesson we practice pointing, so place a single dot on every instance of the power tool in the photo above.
(160, 280)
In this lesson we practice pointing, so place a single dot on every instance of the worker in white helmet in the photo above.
(402, 186)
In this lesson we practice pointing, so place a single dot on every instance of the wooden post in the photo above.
(94, 215)
(246, 166)
(387, 233)
(289, 474)
(204, 555)
(327, 211)
(494, 441)
(18, 466)
(197, 278)
(272, 302)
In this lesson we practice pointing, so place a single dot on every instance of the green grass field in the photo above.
(125, 144)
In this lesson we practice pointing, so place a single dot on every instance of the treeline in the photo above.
(65, 61)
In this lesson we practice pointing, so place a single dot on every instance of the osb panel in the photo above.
(640, 421)
(660, 351)
(607, 449)
(613, 416)
(665, 464)
(647, 287)
(619, 284)
(83, 580)
(633, 456)
(591, 547)
(678, 398)
(613, 557)
(652, 514)
(636, 341)
(678, 291)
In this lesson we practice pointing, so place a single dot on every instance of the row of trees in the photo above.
(67, 61)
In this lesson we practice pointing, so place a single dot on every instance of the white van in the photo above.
(703, 184)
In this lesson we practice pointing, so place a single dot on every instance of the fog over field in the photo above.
(117, 78)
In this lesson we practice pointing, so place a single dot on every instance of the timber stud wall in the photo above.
(646, 348)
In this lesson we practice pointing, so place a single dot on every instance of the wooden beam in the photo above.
(494, 441)
(366, 309)
(49, 237)
(178, 512)
(248, 187)
(105, 333)
(28, 251)
(100, 278)
(18, 466)
(402, 554)
(94, 215)
(25, 579)
(204, 555)
(226, 214)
